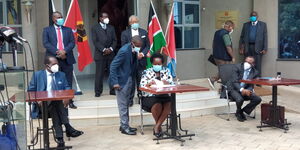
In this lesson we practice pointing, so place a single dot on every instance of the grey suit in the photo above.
(103, 38)
(261, 42)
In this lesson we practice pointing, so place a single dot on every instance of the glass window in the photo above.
(1, 14)
(187, 24)
(289, 29)
(13, 11)
(191, 14)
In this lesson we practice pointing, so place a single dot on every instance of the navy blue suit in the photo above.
(123, 66)
(56, 108)
(50, 43)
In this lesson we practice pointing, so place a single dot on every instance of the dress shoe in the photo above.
(72, 105)
(243, 115)
(60, 143)
(73, 133)
(239, 117)
(157, 134)
(97, 95)
(131, 129)
(112, 92)
(127, 131)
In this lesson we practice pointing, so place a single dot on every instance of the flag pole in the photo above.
(78, 90)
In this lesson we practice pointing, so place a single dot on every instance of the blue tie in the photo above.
(245, 77)
(53, 83)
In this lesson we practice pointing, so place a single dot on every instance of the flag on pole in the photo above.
(170, 49)
(155, 34)
(75, 22)
(51, 10)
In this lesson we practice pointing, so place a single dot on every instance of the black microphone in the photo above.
(10, 35)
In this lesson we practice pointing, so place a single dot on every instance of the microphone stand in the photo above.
(15, 58)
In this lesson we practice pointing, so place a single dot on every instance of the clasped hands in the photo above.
(107, 51)
(152, 82)
(62, 54)
(246, 92)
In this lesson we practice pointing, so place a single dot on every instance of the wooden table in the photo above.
(45, 97)
(173, 116)
(274, 84)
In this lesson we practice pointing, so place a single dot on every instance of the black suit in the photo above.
(142, 63)
(234, 89)
(261, 42)
(103, 38)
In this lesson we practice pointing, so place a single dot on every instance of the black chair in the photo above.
(225, 72)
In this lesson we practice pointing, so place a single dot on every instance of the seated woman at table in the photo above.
(158, 105)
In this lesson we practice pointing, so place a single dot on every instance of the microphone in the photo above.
(22, 39)
(10, 35)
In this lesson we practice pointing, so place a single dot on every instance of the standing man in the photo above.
(126, 37)
(122, 72)
(59, 42)
(254, 39)
(52, 79)
(222, 49)
(240, 91)
(105, 42)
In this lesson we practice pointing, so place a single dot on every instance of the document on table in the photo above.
(160, 84)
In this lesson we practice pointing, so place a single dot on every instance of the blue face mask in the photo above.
(135, 26)
(253, 18)
(157, 68)
(60, 21)
(137, 49)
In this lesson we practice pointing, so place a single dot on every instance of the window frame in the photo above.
(183, 24)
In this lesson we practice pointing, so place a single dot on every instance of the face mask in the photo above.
(135, 26)
(60, 21)
(137, 49)
(231, 31)
(253, 18)
(54, 68)
(106, 21)
(247, 66)
(157, 68)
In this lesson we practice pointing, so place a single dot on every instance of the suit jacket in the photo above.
(123, 66)
(103, 39)
(261, 40)
(38, 82)
(237, 75)
(50, 42)
(126, 38)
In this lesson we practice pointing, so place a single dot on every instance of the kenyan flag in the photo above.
(156, 37)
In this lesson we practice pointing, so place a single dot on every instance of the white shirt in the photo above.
(134, 32)
(49, 80)
(62, 37)
(254, 23)
(103, 25)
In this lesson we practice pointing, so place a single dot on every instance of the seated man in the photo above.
(52, 79)
(240, 92)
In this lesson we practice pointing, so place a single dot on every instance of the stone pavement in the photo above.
(212, 132)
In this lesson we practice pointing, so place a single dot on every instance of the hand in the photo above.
(117, 87)
(66, 102)
(263, 52)
(242, 51)
(140, 56)
(108, 51)
(233, 60)
(165, 82)
(151, 83)
(246, 92)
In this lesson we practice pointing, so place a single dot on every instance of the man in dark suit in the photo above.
(122, 72)
(105, 42)
(142, 62)
(254, 39)
(59, 42)
(240, 92)
(52, 79)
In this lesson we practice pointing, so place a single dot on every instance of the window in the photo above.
(289, 29)
(187, 24)
(10, 11)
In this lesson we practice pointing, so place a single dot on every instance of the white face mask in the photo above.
(54, 68)
(247, 66)
(106, 21)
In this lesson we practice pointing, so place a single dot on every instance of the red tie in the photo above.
(59, 40)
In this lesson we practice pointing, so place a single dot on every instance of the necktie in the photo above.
(245, 77)
(59, 39)
(53, 83)
(104, 26)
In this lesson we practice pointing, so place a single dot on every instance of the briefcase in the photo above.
(267, 114)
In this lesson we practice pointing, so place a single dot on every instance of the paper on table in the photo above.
(160, 84)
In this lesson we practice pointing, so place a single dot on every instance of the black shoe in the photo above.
(72, 105)
(131, 129)
(112, 92)
(73, 133)
(127, 131)
(130, 104)
(158, 134)
(243, 115)
(239, 117)
(60, 143)
(97, 95)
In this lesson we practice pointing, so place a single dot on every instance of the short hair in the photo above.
(250, 57)
(229, 23)
(157, 55)
(133, 16)
(47, 59)
(101, 14)
(253, 12)
(56, 12)
(136, 39)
